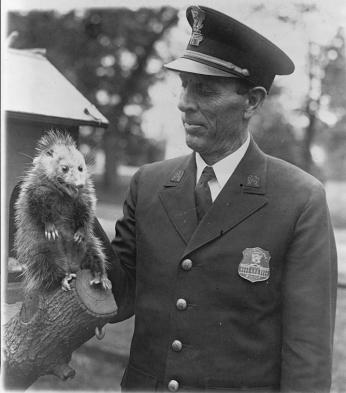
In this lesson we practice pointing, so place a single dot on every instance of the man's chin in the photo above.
(195, 144)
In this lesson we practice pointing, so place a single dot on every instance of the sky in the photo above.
(318, 26)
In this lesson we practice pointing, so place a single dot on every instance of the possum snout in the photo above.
(78, 181)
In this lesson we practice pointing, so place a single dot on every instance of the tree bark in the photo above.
(41, 337)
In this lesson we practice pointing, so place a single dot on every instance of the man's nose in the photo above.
(186, 101)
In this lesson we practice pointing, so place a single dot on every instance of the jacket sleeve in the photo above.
(309, 299)
(121, 253)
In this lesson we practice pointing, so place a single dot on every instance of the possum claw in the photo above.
(106, 284)
(79, 236)
(100, 332)
(65, 286)
(51, 232)
(101, 279)
(95, 281)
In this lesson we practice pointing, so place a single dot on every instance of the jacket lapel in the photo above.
(177, 198)
(243, 195)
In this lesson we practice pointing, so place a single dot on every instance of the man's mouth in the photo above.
(191, 127)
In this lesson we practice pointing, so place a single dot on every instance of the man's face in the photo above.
(212, 113)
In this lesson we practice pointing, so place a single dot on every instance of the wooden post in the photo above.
(41, 337)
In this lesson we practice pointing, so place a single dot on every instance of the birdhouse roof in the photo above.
(36, 90)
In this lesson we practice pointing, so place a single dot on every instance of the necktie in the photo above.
(202, 192)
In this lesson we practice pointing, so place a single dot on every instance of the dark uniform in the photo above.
(242, 301)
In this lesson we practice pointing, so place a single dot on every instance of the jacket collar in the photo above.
(177, 197)
(242, 196)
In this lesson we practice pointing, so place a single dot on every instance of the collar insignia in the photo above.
(177, 176)
(198, 19)
(253, 181)
(255, 264)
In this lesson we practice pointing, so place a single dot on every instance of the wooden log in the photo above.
(41, 337)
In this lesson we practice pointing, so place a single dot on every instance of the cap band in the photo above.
(222, 46)
(215, 62)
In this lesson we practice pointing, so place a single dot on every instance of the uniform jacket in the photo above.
(230, 333)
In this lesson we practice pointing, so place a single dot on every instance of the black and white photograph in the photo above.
(173, 196)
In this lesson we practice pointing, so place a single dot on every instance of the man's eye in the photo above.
(204, 90)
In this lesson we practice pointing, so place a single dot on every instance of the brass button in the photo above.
(173, 385)
(177, 345)
(186, 264)
(181, 304)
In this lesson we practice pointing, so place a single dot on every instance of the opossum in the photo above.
(54, 216)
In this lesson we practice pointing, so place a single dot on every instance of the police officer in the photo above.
(226, 256)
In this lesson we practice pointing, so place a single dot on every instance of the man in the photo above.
(229, 270)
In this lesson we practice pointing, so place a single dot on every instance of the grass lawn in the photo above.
(100, 364)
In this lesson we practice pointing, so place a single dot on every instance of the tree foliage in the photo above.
(333, 87)
(327, 94)
(112, 56)
(274, 133)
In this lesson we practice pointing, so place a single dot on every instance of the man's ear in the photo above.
(256, 96)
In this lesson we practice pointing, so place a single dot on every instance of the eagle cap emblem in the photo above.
(198, 16)
(255, 264)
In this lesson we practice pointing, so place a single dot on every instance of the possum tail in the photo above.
(95, 258)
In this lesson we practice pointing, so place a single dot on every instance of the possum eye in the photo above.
(80, 168)
(64, 168)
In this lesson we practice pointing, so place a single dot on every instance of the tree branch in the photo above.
(40, 339)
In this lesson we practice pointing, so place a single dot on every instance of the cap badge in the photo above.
(255, 264)
(198, 18)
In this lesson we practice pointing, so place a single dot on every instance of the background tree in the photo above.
(323, 108)
(273, 131)
(112, 56)
(333, 90)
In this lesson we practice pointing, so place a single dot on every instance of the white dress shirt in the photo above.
(223, 169)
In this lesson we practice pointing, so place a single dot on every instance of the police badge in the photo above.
(198, 18)
(255, 264)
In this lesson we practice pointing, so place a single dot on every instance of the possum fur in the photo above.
(54, 216)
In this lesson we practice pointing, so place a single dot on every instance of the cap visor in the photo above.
(194, 67)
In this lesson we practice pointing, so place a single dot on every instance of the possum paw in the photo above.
(51, 233)
(96, 280)
(79, 236)
(65, 286)
(106, 283)
(103, 280)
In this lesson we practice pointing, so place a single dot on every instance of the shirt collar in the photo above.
(224, 168)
